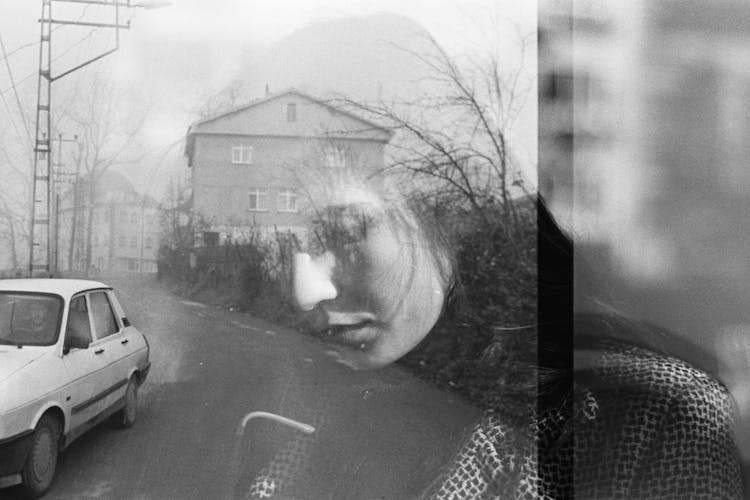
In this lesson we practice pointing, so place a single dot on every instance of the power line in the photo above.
(53, 60)
(10, 115)
(19, 48)
(74, 96)
(35, 43)
(15, 92)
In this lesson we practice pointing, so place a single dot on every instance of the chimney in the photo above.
(268, 91)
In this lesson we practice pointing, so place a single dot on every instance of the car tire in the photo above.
(126, 417)
(39, 469)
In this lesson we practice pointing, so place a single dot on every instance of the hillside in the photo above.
(363, 57)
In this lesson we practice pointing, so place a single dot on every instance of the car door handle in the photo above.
(99, 351)
(123, 342)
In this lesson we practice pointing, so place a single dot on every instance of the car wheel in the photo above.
(40, 465)
(126, 417)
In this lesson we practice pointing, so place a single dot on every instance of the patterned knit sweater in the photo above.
(639, 425)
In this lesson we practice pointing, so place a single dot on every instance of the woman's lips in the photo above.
(358, 336)
(356, 330)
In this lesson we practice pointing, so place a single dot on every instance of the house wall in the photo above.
(220, 188)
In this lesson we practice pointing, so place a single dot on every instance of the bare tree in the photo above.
(15, 169)
(104, 142)
(12, 230)
(453, 141)
(74, 211)
(229, 97)
(178, 219)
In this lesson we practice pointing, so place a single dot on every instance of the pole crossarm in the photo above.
(125, 26)
(94, 59)
(97, 2)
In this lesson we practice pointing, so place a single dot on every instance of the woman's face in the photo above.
(374, 281)
(38, 314)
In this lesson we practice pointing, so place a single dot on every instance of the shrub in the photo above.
(485, 342)
(254, 276)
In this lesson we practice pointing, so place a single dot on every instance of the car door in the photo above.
(134, 347)
(109, 345)
(84, 366)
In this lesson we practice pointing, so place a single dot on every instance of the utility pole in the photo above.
(74, 214)
(39, 232)
(61, 176)
(42, 240)
(143, 222)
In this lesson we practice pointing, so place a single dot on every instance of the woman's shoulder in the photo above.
(615, 362)
(661, 402)
(641, 409)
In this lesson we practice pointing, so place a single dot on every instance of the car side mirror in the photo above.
(125, 322)
(74, 342)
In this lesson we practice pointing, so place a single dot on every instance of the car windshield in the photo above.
(29, 318)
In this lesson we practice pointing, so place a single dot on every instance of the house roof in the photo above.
(211, 125)
(112, 183)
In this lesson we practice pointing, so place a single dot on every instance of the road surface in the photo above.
(380, 434)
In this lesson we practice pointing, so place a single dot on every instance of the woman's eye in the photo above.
(350, 253)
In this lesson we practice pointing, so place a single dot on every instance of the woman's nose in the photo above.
(312, 280)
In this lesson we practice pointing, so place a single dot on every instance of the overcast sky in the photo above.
(225, 32)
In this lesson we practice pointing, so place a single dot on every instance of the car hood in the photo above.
(13, 359)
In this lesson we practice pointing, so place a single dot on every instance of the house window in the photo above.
(121, 241)
(134, 217)
(257, 200)
(133, 242)
(291, 112)
(335, 158)
(242, 154)
(287, 201)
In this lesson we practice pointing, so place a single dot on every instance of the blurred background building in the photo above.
(644, 149)
(124, 229)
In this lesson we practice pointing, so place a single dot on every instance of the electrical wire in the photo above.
(19, 48)
(10, 115)
(15, 92)
(72, 97)
(53, 60)
(35, 43)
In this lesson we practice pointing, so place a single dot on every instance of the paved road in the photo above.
(379, 435)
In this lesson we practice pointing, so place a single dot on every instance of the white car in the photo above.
(69, 358)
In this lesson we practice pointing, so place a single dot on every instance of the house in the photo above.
(251, 165)
(124, 228)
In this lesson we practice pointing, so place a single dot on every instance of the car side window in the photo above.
(78, 326)
(105, 323)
